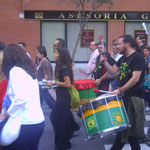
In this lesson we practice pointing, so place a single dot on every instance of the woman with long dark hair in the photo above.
(64, 123)
(23, 92)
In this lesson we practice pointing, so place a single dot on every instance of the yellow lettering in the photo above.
(123, 16)
(144, 16)
(61, 16)
(78, 16)
(115, 15)
(97, 15)
(38, 15)
(106, 16)
(88, 16)
(70, 16)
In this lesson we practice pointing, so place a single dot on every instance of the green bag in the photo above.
(75, 98)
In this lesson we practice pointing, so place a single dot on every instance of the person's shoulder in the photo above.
(45, 61)
(16, 70)
(137, 54)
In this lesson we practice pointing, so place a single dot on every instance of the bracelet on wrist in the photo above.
(54, 82)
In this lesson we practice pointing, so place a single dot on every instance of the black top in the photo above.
(100, 69)
(135, 62)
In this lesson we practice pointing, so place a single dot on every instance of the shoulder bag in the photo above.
(75, 98)
(10, 131)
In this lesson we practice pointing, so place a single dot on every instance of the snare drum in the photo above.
(104, 115)
(85, 89)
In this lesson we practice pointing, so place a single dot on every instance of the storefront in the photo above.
(65, 24)
(42, 21)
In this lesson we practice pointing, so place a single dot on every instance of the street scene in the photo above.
(74, 74)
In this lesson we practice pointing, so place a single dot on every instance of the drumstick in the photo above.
(96, 90)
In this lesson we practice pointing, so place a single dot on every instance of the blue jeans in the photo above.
(45, 95)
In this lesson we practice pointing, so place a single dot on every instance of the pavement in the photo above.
(80, 142)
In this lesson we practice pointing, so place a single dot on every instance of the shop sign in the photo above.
(95, 16)
(87, 37)
(142, 35)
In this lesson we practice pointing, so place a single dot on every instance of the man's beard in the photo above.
(123, 50)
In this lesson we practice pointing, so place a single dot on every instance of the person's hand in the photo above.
(97, 82)
(2, 116)
(103, 58)
(118, 91)
(50, 83)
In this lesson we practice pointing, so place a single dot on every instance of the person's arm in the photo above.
(18, 82)
(112, 69)
(98, 81)
(66, 82)
(91, 66)
(45, 76)
(134, 79)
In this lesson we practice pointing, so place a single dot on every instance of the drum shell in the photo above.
(107, 113)
(85, 89)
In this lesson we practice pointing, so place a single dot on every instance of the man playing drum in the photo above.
(131, 76)
(100, 73)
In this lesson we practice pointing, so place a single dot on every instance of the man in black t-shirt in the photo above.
(100, 73)
(130, 68)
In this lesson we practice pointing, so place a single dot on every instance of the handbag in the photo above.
(75, 98)
(10, 131)
(147, 81)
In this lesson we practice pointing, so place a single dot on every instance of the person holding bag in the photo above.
(63, 121)
(24, 115)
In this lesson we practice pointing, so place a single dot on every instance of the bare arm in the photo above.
(66, 83)
(113, 70)
(45, 76)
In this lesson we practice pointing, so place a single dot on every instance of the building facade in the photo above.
(42, 21)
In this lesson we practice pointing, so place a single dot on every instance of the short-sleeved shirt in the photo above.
(100, 70)
(127, 65)
(43, 68)
(63, 72)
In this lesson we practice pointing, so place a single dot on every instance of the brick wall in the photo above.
(13, 29)
(115, 29)
(119, 5)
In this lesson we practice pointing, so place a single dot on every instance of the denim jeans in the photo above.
(45, 95)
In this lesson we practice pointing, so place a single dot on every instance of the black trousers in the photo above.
(118, 145)
(28, 139)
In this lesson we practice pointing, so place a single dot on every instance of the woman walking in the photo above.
(23, 92)
(63, 121)
(44, 72)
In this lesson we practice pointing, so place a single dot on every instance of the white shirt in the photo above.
(92, 61)
(117, 56)
(23, 92)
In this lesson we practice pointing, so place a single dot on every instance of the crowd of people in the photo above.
(124, 70)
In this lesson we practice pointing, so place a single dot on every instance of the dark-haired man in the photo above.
(59, 42)
(131, 78)
(24, 46)
(100, 73)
